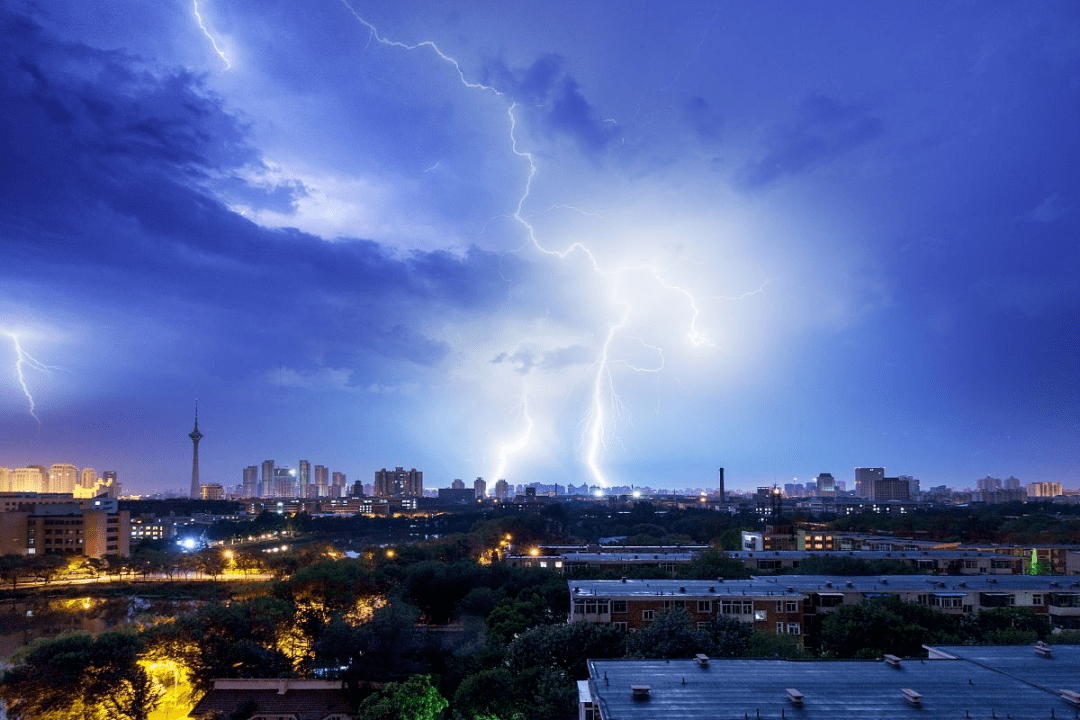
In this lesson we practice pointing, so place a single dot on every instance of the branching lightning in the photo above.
(23, 360)
(596, 425)
(206, 32)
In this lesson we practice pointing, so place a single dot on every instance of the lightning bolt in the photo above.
(206, 32)
(603, 391)
(517, 445)
(24, 359)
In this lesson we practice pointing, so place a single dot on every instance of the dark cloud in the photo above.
(553, 97)
(824, 129)
(105, 169)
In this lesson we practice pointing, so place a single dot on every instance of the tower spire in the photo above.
(196, 436)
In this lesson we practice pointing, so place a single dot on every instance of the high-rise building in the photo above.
(337, 484)
(5, 480)
(826, 485)
(284, 482)
(502, 490)
(62, 478)
(196, 436)
(723, 496)
(890, 488)
(864, 480)
(266, 479)
(88, 478)
(250, 487)
(399, 482)
(303, 479)
(479, 488)
(458, 484)
(322, 481)
(32, 478)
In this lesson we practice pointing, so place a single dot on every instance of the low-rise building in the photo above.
(275, 699)
(1016, 682)
(633, 604)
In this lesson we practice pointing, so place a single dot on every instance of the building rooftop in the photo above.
(829, 690)
(677, 587)
(925, 583)
(287, 698)
(1057, 670)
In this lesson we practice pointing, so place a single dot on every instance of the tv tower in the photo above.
(196, 436)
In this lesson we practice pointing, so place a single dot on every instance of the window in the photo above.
(646, 614)
(793, 629)
(791, 606)
(1036, 599)
(736, 607)
(703, 626)
(779, 628)
(704, 606)
(618, 606)
(620, 626)
(760, 615)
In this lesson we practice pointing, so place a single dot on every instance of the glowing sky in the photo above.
(637, 241)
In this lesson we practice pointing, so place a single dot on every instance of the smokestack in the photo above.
(723, 498)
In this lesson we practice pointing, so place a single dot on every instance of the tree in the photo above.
(414, 699)
(671, 635)
(79, 675)
(884, 625)
(566, 646)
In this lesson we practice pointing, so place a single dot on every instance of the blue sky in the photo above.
(561, 242)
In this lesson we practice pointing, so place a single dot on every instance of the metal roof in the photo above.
(1056, 671)
(831, 690)
(926, 583)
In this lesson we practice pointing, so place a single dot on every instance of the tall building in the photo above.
(250, 487)
(723, 497)
(399, 482)
(502, 490)
(303, 479)
(826, 485)
(284, 482)
(322, 481)
(890, 488)
(32, 478)
(864, 480)
(266, 479)
(479, 488)
(337, 484)
(88, 478)
(458, 484)
(196, 436)
(62, 478)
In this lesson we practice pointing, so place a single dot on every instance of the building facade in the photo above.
(399, 483)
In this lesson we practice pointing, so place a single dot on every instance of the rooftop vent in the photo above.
(577, 589)
(828, 584)
(682, 589)
(892, 661)
(850, 584)
(884, 581)
(702, 660)
(712, 588)
(912, 697)
(790, 589)
(1070, 696)
(795, 697)
(1043, 649)
(624, 578)
(640, 692)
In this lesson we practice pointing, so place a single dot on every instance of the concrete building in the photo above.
(250, 484)
(322, 481)
(502, 490)
(63, 477)
(275, 699)
(976, 683)
(479, 488)
(68, 528)
(864, 480)
(303, 479)
(633, 604)
(399, 483)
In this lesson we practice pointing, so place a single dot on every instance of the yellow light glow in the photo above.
(534, 552)
(390, 553)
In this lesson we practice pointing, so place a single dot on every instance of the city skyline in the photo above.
(541, 245)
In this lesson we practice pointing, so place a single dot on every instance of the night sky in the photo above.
(606, 242)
